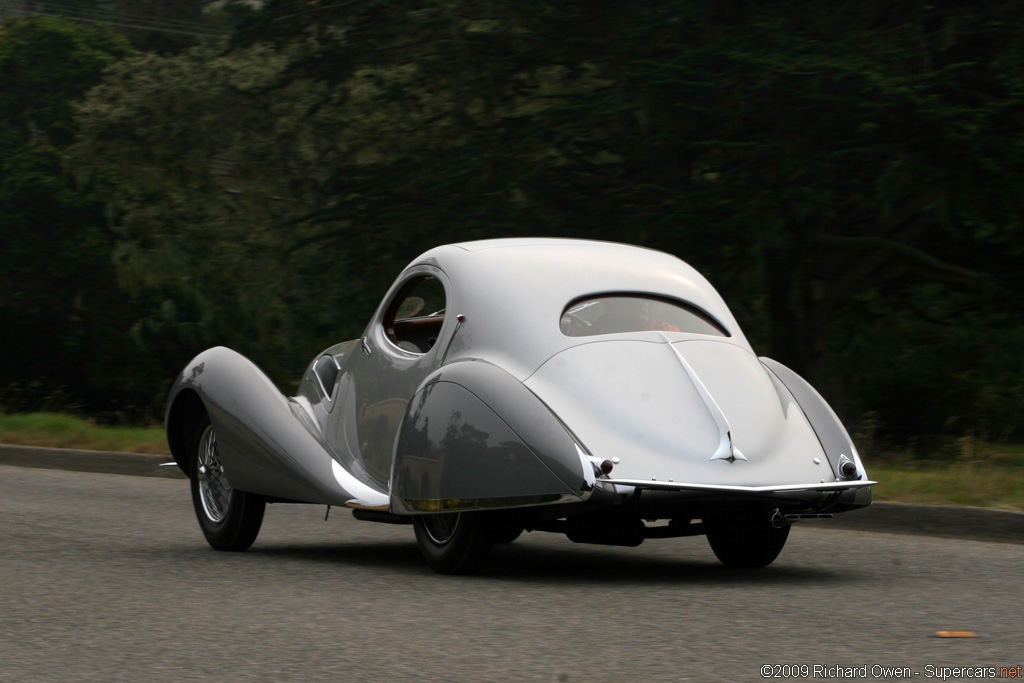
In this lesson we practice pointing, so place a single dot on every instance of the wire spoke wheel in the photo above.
(214, 488)
(229, 519)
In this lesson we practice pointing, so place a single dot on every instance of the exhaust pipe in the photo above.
(780, 520)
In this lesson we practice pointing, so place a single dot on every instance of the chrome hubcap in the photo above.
(214, 489)
(441, 528)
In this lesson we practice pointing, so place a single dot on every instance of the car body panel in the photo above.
(831, 434)
(659, 425)
(384, 377)
(475, 433)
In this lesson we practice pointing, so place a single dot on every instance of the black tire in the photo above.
(454, 543)
(749, 548)
(229, 519)
(506, 532)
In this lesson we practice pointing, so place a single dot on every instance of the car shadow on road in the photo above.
(523, 562)
(395, 556)
(597, 565)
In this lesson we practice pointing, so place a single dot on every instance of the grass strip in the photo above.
(53, 430)
(976, 484)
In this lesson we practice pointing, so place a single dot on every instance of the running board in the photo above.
(366, 515)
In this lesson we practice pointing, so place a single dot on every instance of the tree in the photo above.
(59, 300)
(199, 158)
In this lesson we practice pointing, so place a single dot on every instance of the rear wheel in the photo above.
(506, 532)
(748, 547)
(230, 519)
(453, 543)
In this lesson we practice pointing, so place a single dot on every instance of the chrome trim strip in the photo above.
(728, 488)
(725, 448)
(461, 504)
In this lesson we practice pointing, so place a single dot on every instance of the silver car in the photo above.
(597, 390)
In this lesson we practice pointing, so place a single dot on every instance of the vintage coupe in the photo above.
(598, 390)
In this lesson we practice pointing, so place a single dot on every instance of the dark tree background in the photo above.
(848, 174)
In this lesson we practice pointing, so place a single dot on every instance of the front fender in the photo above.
(266, 443)
(474, 437)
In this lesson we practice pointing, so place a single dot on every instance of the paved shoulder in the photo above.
(104, 462)
(980, 524)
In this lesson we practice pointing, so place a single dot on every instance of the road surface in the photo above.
(106, 577)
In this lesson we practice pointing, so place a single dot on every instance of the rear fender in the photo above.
(835, 440)
(474, 437)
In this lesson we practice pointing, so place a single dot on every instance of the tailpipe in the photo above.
(780, 520)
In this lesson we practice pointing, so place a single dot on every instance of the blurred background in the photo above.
(849, 174)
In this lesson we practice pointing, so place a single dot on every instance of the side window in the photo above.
(414, 318)
(614, 313)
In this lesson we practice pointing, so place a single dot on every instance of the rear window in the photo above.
(616, 313)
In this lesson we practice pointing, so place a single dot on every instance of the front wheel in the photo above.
(748, 548)
(230, 519)
(453, 543)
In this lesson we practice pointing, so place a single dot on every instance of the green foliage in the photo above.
(161, 26)
(199, 158)
(45, 64)
(59, 300)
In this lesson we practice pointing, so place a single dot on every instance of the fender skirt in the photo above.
(474, 437)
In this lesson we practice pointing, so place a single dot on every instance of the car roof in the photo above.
(513, 292)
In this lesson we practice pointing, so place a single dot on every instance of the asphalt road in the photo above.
(106, 577)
